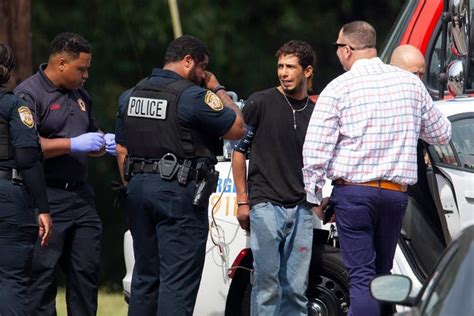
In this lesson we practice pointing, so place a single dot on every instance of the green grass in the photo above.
(110, 304)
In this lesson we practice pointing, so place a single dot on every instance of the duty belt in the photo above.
(65, 185)
(144, 167)
(12, 175)
(381, 184)
(168, 167)
(153, 167)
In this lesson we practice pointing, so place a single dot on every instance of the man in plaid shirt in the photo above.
(363, 135)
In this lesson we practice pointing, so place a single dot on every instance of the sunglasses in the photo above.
(337, 45)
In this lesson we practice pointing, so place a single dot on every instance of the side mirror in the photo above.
(456, 78)
(392, 288)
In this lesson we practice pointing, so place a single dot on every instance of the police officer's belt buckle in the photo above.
(168, 166)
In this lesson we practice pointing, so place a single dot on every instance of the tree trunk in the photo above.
(15, 21)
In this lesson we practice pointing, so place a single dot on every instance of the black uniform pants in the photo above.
(74, 246)
(169, 242)
(18, 233)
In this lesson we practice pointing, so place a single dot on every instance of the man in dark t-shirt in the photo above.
(271, 202)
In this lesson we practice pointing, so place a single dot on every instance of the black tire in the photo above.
(328, 286)
(245, 307)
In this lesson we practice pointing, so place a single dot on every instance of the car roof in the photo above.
(456, 106)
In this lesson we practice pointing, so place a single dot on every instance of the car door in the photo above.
(454, 173)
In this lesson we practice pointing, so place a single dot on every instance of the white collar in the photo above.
(366, 61)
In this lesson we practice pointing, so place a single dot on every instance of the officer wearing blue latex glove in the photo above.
(110, 144)
(69, 135)
(88, 142)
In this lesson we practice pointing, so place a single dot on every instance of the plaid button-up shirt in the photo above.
(365, 127)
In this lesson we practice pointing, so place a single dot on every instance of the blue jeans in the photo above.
(368, 223)
(281, 242)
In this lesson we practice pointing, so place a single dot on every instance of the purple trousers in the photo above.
(368, 224)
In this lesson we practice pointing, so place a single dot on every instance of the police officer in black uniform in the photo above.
(167, 136)
(68, 134)
(22, 188)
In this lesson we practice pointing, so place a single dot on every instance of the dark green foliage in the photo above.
(129, 37)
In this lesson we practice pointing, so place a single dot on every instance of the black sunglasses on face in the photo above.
(337, 45)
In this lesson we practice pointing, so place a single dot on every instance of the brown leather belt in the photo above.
(381, 184)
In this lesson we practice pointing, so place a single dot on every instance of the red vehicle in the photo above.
(420, 24)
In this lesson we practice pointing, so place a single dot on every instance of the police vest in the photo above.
(6, 148)
(151, 126)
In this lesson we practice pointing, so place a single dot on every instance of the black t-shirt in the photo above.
(276, 156)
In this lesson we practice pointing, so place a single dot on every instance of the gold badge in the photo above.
(213, 101)
(26, 116)
(82, 104)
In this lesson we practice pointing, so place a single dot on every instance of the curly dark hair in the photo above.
(70, 43)
(7, 63)
(186, 45)
(300, 49)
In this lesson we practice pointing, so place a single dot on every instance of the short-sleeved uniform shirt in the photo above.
(21, 126)
(193, 107)
(276, 156)
(59, 113)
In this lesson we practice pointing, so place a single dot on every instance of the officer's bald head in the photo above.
(409, 58)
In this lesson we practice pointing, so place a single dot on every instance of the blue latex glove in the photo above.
(110, 144)
(87, 142)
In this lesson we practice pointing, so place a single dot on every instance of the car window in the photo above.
(397, 31)
(463, 142)
(445, 154)
(460, 151)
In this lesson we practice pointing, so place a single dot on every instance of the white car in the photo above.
(442, 202)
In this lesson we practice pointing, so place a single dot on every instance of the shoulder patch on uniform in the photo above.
(26, 116)
(82, 104)
(213, 101)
